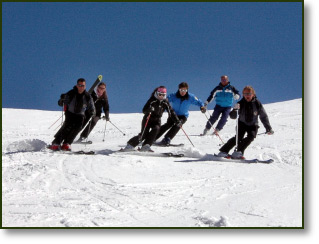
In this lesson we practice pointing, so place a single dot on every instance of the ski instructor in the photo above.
(249, 109)
(224, 94)
(75, 103)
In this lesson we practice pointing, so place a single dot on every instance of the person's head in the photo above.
(183, 88)
(80, 85)
(101, 89)
(249, 93)
(160, 92)
(224, 80)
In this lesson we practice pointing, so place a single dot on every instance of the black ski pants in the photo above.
(70, 128)
(151, 130)
(243, 143)
(170, 125)
(89, 126)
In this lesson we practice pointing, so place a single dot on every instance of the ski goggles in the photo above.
(161, 94)
(183, 90)
(79, 85)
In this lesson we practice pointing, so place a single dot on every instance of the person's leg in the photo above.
(175, 129)
(76, 128)
(213, 118)
(232, 141)
(89, 127)
(245, 142)
(169, 123)
(223, 120)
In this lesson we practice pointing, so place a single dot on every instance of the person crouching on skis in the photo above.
(151, 123)
(249, 108)
(75, 103)
(181, 101)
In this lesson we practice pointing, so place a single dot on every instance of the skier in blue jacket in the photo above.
(180, 101)
(224, 95)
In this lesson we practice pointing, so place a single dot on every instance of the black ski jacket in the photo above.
(77, 103)
(249, 112)
(159, 107)
(101, 103)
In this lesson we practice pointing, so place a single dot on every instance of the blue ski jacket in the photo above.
(181, 104)
(223, 95)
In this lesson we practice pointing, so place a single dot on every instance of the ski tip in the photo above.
(100, 77)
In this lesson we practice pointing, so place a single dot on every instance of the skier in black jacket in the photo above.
(249, 108)
(101, 102)
(75, 102)
(151, 123)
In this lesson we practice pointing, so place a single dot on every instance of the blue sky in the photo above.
(46, 47)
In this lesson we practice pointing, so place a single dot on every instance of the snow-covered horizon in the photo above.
(41, 188)
(192, 109)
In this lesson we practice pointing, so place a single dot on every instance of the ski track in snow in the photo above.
(55, 189)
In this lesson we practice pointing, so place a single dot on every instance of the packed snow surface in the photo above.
(41, 188)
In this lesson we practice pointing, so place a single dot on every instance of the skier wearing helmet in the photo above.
(151, 123)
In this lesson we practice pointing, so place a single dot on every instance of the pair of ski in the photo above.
(150, 153)
(72, 152)
(229, 159)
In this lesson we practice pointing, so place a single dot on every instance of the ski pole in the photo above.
(187, 136)
(104, 130)
(237, 131)
(117, 128)
(90, 122)
(56, 121)
(62, 113)
(148, 118)
(213, 128)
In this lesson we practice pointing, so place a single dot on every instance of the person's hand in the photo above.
(237, 106)
(203, 109)
(236, 97)
(64, 99)
(179, 124)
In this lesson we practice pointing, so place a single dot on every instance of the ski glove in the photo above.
(179, 124)
(203, 109)
(237, 106)
(106, 118)
(64, 99)
(233, 114)
(236, 97)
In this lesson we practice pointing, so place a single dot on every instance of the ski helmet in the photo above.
(160, 93)
(161, 89)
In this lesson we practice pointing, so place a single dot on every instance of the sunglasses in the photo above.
(247, 94)
(161, 94)
(81, 85)
(183, 90)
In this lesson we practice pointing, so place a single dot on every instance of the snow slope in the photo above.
(41, 188)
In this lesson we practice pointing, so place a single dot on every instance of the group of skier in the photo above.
(83, 109)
